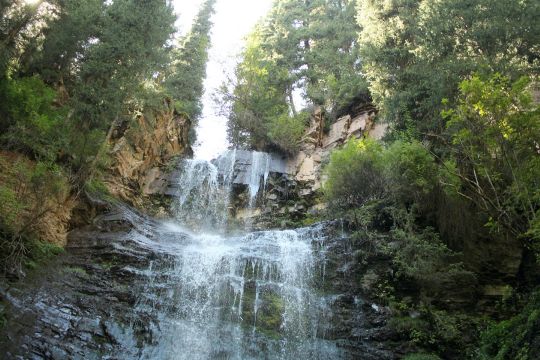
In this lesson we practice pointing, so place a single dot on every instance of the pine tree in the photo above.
(188, 71)
(309, 46)
(414, 58)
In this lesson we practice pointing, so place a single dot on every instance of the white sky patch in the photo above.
(233, 20)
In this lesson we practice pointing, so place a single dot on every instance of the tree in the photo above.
(414, 57)
(358, 159)
(188, 70)
(301, 46)
(16, 18)
(99, 56)
(494, 131)
(257, 96)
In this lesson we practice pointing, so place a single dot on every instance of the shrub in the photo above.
(32, 124)
(286, 131)
(517, 338)
(411, 170)
(355, 175)
(29, 191)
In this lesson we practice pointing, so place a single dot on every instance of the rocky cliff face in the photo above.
(293, 182)
(317, 144)
(141, 150)
(118, 290)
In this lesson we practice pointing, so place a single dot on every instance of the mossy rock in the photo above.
(76, 270)
(269, 311)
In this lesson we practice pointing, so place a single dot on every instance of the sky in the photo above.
(233, 20)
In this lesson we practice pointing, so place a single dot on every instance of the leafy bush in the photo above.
(96, 186)
(422, 256)
(517, 338)
(286, 131)
(29, 191)
(355, 175)
(494, 131)
(31, 123)
(411, 170)
(436, 331)
(39, 252)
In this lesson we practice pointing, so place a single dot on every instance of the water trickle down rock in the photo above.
(260, 168)
(164, 292)
(203, 191)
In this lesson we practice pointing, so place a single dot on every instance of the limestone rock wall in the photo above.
(317, 145)
(141, 149)
(292, 190)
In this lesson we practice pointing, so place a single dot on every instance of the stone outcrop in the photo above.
(293, 182)
(141, 149)
(317, 145)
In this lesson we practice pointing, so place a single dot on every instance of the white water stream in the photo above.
(246, 296)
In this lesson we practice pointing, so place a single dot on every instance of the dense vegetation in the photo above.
(69, 71)
(188, 68)
(459, 171)
(307, 47)
(455, 185)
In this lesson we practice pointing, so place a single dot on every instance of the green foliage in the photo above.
(75, 270)
(436, 331)
(257, 97)
(30, 123)
(96, 186)
(396, 189)
(40, 252)
(286, 131)
(29, 191)
(102, 58)
(421, 357)
(358, 159)
(488, 171)
(66, 38)
(364, 171)
(494, 130)
(128, 50)
(301, 46)
(411, 171)
(421, 255)
(188, 70)
(10, 208)
(516, 338)
(414, 57)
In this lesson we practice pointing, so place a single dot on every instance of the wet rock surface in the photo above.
(82, 304)
(109, 297)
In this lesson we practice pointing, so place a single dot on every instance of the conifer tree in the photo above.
(307, 47)
(188, 70)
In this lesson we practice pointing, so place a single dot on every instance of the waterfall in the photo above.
(204, 190)
(248, 296)
(260, 169)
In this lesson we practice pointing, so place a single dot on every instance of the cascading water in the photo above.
(204, 191)
(260, 169)
(244, 297)
(247, 296)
